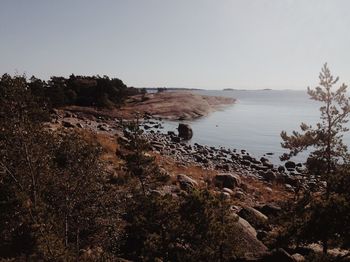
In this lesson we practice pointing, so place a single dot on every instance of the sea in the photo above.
(255, 121)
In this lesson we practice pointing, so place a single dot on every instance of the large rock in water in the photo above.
(185, 131)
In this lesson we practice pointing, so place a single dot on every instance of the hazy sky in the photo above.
(178, 43)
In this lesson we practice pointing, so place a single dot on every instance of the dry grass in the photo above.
(256, 190)
(107, 142)
(262, 190)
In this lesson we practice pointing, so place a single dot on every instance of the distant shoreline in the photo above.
(179, 89)
(177, 105)
(168, 105)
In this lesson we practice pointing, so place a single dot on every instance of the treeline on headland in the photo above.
(94, 91)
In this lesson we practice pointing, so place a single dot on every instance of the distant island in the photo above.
(170, 89)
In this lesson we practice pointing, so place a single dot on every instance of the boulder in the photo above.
(247, 157)
(270, 176)
(185, 131)
(268, 164)
(264, 159)
(157, 145)
(298, 258)
(290, 165)
(289, 188)
(102, 128)
(278, 255)
(227, 180)
(186, 183)
(239, 194)
(245, 224)
(246, 242)
(175, 139)
(171, 133)
(68, 114)
(260, 167)
(67, 124)
(281, 169)
(227, 190)
(245, 162)
(254, 217)
(269, 209)
(201, 159)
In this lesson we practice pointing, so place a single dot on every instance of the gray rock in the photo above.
(268, 164)
(247, 241)
(279, 255)
(186, 183)
(245, 162)
(67, 124)
(201, 159)
(281, 169)
(270, 209)
(289, 164)
(102, 128)
(227, 190)
(298, 258)
(245, 224)
(289, 188)
(176, 139)
(171, 133)
(264, 159)
(227, 180)
(185, 131)
(270, 176)
(247, 157)
(254, 217)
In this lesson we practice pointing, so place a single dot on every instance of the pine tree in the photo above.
(319, 216)
(139, 163)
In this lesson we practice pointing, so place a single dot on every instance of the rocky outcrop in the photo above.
(176, 105)
(228, 160)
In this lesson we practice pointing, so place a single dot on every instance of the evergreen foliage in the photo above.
(322, 216)
(82, 91)
(53, 201)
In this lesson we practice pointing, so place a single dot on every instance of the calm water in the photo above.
(255, 121)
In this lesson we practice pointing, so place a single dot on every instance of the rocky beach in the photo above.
(256, 186)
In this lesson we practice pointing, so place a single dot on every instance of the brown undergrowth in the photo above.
(257, 191)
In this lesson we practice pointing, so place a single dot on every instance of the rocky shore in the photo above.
(291, 174)
(177, 105)
(253, 184)
(167, 105)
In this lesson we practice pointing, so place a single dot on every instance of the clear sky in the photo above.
(178, 43)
